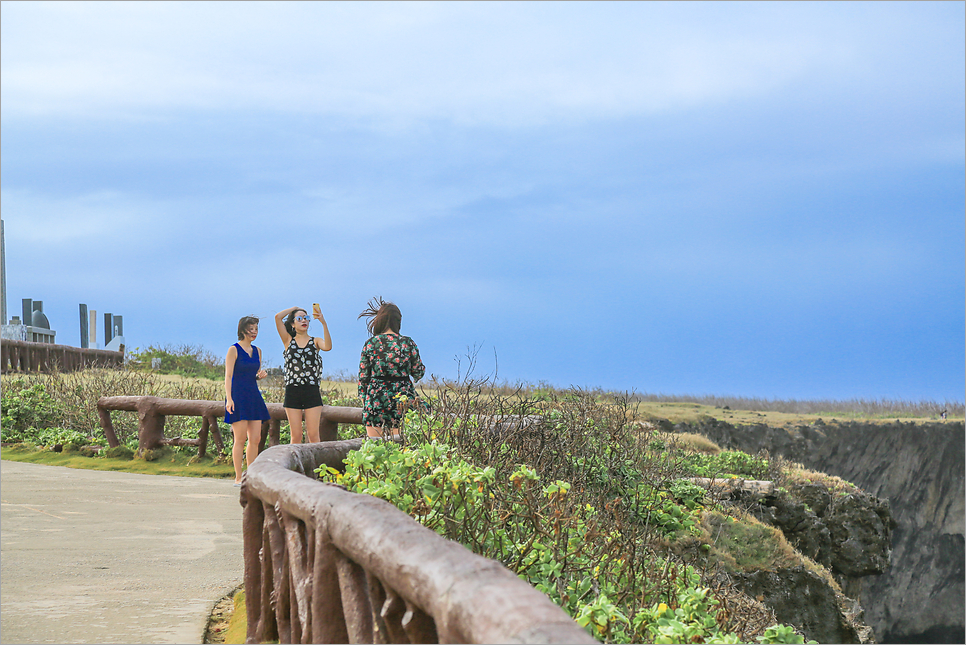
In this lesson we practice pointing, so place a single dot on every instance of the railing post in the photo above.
(215, 431)
(106, 425)
(203, 437)
(253, 519)
(353, 595)
(263, 436)
(150, 424)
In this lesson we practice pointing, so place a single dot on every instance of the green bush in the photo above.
(53, 436)
(725, 463)
(185, 360)
(69, 400)
(688, 493)
(691, 620)
(782, 634)
(538, 530)
(25, 406)
(70, 440)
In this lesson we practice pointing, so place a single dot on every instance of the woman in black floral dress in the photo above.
(389, 365)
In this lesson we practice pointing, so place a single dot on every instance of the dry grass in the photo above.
(794, 473)
(692, 442)
(738, 410)
(843, 409)
(75, 396)
(228, 620)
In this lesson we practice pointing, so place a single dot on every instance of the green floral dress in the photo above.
(388, 361)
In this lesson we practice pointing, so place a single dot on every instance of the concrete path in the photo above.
(102, 557)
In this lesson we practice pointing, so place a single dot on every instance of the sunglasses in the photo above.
(300, 318)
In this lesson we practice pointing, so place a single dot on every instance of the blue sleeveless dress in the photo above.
(249, 404)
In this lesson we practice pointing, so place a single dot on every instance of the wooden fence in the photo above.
(323, 565)
(24, 356)
(153, 410)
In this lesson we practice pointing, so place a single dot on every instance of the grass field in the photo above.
(688, 411)
(171, 463)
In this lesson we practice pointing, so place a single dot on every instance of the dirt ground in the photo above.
(219, 619)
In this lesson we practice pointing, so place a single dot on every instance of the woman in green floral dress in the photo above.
(389, 365)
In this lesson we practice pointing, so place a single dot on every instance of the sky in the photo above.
(738, 199)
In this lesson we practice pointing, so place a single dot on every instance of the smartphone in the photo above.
(316, 309)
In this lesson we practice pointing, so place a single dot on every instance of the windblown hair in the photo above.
(290, 321)
(244, 324)
(382, 316)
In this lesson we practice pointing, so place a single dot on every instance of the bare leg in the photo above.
(239, 430)
(312, 418)
(254, 438)
(295, 423)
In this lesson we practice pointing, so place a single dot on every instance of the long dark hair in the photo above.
(290, 321)
(381, 316)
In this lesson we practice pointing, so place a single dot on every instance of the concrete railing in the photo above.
(152, 412)
(24, 356)
(323, 565)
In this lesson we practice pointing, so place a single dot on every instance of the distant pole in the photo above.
(93, 329)
(85, 339)
(3, 273)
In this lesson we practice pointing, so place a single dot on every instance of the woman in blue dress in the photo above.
(245, 408)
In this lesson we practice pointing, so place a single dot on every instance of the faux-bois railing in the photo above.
(323, 565)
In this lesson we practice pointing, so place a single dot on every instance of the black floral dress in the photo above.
(388, 361)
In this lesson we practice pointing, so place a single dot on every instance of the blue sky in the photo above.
(748, 199)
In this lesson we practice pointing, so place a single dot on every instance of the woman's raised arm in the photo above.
(326, 343)
(280, 325)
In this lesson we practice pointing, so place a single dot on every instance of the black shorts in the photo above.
(302, 397)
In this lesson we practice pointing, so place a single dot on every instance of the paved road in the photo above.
(102, 557)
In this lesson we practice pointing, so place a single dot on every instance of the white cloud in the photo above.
(97, 218)
(470, 63)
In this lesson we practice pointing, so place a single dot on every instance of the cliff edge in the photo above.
(919, 469)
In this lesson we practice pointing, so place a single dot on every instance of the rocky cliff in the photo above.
(919, 469)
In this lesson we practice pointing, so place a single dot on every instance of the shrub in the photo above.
(26, 405)
(119, 452)
(563, 491)
(69, 400)
(63, 436)
(186, 360)
(726, 463)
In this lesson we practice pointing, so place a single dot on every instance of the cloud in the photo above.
(495, 64)
(94, 220)
(748, 182)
